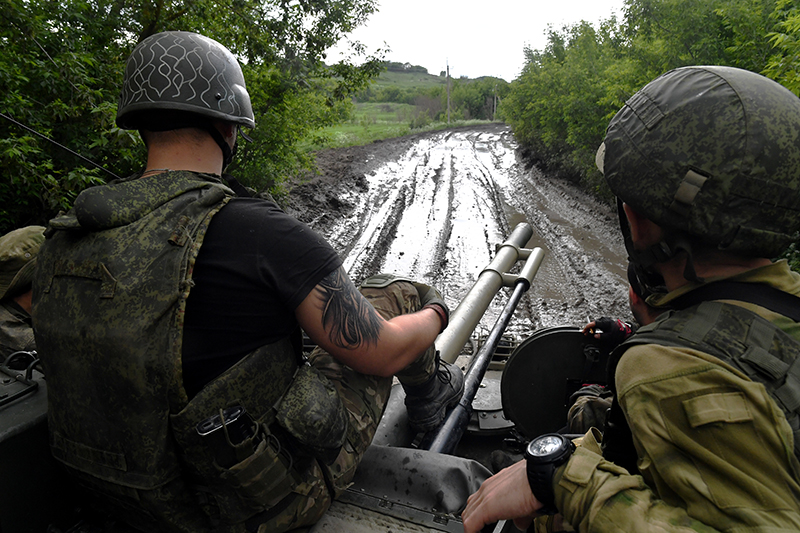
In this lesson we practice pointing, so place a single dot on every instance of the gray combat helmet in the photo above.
(710, 152)
(183, 71)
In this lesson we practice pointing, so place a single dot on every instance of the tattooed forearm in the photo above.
(347, 316)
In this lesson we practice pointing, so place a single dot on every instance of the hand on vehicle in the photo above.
(611, 331)
(504, 496)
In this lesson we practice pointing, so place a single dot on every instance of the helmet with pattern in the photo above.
(183, 71)
(711, 154)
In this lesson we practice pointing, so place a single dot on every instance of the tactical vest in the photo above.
(740, 338)
(111, 290)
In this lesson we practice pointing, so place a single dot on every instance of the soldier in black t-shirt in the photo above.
(199, 296)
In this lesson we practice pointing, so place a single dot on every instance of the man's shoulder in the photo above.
(653, 361)
(247, 208)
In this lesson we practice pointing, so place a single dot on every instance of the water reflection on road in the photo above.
(437, 212)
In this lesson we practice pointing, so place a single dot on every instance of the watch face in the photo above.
(545, 445)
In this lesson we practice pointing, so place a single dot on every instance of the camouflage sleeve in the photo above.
(596, 495)
(714, 452)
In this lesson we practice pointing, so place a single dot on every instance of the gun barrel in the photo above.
(393, 429)
(471, 309)
(447, 436)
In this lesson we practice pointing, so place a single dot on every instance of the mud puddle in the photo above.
(434, 206)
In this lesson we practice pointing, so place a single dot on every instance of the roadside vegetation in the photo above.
(566, 94)
(562, 101)
(406, 99)
(61, 69)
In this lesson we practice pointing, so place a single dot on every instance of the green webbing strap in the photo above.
(761, 358)
(755, 293)
(760, 334)
(789, 392)
(696, 330)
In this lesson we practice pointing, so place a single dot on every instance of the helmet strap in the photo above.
(645, 283)
(682, 244)
(227, 152)
(673, 243)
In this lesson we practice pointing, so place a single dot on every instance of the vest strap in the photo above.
(764, 296)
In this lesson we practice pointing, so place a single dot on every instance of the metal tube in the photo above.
(449, 434)
(469, 312)
(452, 429)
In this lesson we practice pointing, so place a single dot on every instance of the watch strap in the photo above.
(541, 482)
(541, 471)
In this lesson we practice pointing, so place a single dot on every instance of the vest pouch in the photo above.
(260, 481)
(312, 412)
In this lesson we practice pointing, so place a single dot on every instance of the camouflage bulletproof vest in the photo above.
(755, 346)
(110, 295)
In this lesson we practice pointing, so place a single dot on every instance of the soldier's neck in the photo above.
(195, 157)
(24, 300)
(672, 272)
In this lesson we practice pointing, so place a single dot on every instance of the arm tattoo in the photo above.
(347, 316)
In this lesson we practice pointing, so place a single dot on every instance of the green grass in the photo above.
(383, 112)
(352, 134)
(372, 121)
(408, 80)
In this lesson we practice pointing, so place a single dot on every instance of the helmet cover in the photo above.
(183, 71)
(713, 152)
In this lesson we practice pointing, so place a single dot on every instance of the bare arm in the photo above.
(338, 318)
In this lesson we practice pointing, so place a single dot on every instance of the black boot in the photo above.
(427, 403)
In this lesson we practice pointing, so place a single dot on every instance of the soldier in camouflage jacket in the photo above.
(705, 163)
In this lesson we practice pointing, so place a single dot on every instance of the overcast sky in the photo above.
(477, 38)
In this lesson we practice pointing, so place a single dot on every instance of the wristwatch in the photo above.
(543, 455)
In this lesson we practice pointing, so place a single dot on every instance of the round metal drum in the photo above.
(543, 372)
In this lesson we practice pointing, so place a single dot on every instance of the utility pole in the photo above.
(494, 107)
(448, 92)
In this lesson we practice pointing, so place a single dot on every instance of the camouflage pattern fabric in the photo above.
(109, 292)
(118, 270)
(722, 167)
(716, 453)
(364, 398)
(16, 330)
(752, 345)
(18, 249)
(589, 410)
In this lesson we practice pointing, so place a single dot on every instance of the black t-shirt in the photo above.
(256, 265)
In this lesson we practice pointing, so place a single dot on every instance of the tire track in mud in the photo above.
(434, 206)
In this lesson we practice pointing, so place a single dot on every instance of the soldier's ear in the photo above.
(644, 232)
(228, 130)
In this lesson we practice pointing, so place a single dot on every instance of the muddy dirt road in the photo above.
(434, 206)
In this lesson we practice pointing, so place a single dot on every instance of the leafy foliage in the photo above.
(470, 99)
(567, 93)
(61, 69)
(784, 65)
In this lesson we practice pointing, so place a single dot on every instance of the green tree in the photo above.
(475, 99)
(784, 64)
(560, 104)
(567, 93)
(61, 68)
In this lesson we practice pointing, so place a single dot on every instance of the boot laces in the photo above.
(442, 372)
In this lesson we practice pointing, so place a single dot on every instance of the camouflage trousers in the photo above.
(364, 398)
(16, 330)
